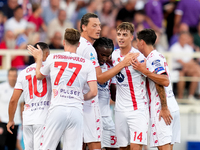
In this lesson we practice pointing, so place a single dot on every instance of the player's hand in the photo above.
(10, 124)
(165, 114)
(35, 52)
(129, 57)
(138, 65)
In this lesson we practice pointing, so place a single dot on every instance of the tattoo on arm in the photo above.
(161, 92)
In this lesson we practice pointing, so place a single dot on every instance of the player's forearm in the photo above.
(12, 108)
(39, 76)
(157, 78)
(161, 92)
(107, 75)
(91, 94)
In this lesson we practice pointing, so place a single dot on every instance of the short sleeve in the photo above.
(180, 8)
(92, 56)
(91, 73)
(156, 64)
(45, 69)
(19, 84)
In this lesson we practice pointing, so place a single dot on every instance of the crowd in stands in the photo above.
(176, 23)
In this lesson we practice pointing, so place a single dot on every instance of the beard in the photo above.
(11, 44)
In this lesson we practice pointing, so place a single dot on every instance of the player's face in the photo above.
(12, 78)
(103, 54)
(124, 38)
(93, 28)
(140, 45)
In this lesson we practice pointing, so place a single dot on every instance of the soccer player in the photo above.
(37, 96)
(131, 108)
(69, 73)
(164, 115)
(90, 31)
(104, 48)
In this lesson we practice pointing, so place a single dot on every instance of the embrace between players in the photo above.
(60, 92)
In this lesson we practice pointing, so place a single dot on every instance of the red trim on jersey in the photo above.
(130, 82)
(149, 93)
(91, 80)
(18, 89)
(97, 67)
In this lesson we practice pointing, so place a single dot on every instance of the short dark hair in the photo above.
(16, 8)
(42, 45)
(12, 69)
(35, 6)
(104, 42)
(126, 26)
(85, 19)
(148, 35)
(72, 36)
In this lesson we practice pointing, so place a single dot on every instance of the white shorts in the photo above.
(131, 127)
(161, 134)
(63, 121)
(32, 135)
(109, 138)
(92, 123)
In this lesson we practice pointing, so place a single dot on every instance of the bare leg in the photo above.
(112, 148)
(125, 148)
(165, 147)
(136, 146)
(94, 146)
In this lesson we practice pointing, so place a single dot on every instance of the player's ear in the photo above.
(84, 27)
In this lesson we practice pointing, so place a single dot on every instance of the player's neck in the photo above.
(71, 49)
(84, 35)
(148, 50)
(125, 50)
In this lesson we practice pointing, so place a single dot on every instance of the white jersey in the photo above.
(157, 62)
(131, 85)
(104, 93)
(87, 51)
(37, 95)
(69, 73)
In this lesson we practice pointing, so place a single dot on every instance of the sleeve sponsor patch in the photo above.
(159, 69)
(156, 62)
(92, 56)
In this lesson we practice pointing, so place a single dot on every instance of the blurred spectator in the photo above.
(50, 12)
(90, 8)
(140, 18)
(16, 24)
(69, 6)
(197, 36)
(36, 17)
(10, 43)
(105, 30)
(108, 13)
(56, 41)
(58, 24)
(126, 14)
(185, 64)
(158, 45)
(1, 26)
(187, 12)
(113, 36)
(6, 89)
(182, 28)
(8, 9)
(154, 13)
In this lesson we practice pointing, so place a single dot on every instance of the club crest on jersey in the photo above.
(103, 85)
(120, 77)
(27, 106)
(92, 56)
(55, 93)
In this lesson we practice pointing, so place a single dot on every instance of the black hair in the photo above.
(85, 19)
(148, 35)
(17, 7)
(42, 45)
(104, 42)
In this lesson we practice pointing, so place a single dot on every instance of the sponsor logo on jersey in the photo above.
(120, 77)
(156, 62)
(55, 93)
(159, 69)
(27, 106)
(92, 56)
(141, 61)
(103, 85)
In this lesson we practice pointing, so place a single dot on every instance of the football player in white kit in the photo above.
(37, 96)
(164, 115)
(90, 31)
(69, 73)
(104, 48)
(131, 108)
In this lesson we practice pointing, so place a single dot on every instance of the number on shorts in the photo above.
(70, 66)
(139, 137)
(114, 139)
(33, 87)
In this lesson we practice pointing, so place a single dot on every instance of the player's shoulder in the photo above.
(155, 57)
(28, 70)
(116, 52)
(84, 43)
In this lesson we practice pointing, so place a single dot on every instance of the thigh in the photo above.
(92, 124)
(73, 135)
(12, 139)
(28, 137)
(176, 127)
(121, 128)
(37, 131)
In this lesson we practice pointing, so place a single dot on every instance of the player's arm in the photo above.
(164, 112)
(93, 90)
(161, 79)
(37, 54)
(107, 75)
(12, 108)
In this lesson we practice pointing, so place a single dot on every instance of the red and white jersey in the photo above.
(131, 85)
(157, 62)
(69, 73)
(86, 50)
(104, 93)
(37, 95)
